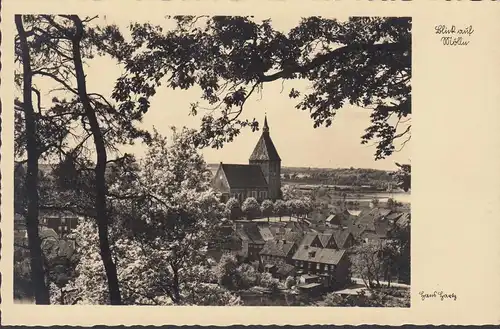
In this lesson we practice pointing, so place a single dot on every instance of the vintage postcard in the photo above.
(237, 162)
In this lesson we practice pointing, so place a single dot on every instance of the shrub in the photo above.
(290, 282)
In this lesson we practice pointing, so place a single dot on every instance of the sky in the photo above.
(297, 142)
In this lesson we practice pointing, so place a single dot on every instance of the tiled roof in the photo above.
(265, 149)
(319, 255)
(266, 233)
(244, 176)
(250, 232)
(285, 269)
(277, 248)
(404, 219)
(324, 238)
(340, 237)
(308, 239)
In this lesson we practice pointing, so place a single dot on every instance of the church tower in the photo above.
(266, 156)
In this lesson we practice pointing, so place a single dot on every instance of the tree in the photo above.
(375, 202)
(290, 282)
(393, 204)
(32, 150)
(290, 207)
(308, 205)
(403, 176)
(233, 208)
(267, 281)
(267, 208)
(367, 263)
(59, 47)
(363, 61)
(280, 208)
(226, 272)
(290, 192)
(251, 207)
(165, 213)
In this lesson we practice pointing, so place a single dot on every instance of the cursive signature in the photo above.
(454, 36)
(438, 295)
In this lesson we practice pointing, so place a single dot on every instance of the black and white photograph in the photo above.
(201, 160)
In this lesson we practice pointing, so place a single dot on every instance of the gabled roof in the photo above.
(324, 238)
(266, 233)
(250, 232)
(244, 176)
(285, 269)
(404, 219)
(277, 248)
(265, 149)
(340, 237)
(308, 239)
(319, 255)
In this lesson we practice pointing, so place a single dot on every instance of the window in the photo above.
(63, 220)
(317, 266)
(254, 194)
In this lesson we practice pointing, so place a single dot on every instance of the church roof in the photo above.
(244, 176)
(265, 149)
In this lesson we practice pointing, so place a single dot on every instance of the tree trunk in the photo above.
(41, 290)
(176, 292)
(100, 169)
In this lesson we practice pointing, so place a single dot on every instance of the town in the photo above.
(304, 243)
(151, 168)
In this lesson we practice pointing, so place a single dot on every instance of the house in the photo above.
(278, 251)
(251, 240)
(342, 218)
(283, 271)
(375, 225)
(331, 265)
(61, 222)
(260, 178)
(344, 239)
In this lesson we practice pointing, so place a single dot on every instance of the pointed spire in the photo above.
(266, 127)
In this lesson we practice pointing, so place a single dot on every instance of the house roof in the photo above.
(308, 239)
(244, 176)
(319, 255)
(48, 233)
(277, 248)
(285, 269)
(265, 149)
(266, 233)
(324, 238)
(250, 232)
(340, 237)
(404, 219)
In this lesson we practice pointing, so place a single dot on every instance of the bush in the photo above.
(290, 282)
(226, 272)
(267, 281)
(246, 276)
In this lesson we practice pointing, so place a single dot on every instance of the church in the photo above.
(260, 178)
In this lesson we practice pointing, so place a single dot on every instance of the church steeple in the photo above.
(266, 156)
(265, 149)
(266, 127)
